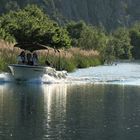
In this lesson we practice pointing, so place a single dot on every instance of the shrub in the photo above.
(65, 60)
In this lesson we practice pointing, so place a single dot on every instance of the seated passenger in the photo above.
(29, 59)
(21, 58)
(35, 59)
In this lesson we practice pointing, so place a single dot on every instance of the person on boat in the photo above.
(35, 59)
(29, 59)
(21, 58)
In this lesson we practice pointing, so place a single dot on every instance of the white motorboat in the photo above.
(24, 72)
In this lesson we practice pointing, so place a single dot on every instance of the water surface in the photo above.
(80, 112)
(96, 104)
(122, 73)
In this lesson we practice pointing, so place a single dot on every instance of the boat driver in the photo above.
(29, 59)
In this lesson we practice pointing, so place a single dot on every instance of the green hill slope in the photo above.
(107, 13)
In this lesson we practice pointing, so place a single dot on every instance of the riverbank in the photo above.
(69, 60)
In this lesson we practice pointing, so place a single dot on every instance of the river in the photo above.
(97, 103)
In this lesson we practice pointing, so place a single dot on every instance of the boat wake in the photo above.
(123, 73)
(46, 79)
(6, 77)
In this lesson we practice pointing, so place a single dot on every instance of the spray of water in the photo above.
(123, 73)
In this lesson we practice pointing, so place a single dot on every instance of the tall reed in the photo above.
(61, 60)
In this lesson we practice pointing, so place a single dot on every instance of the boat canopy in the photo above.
(31, 46)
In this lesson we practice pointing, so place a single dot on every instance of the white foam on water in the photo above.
(6, 77)
(46, 79)
(123, 73)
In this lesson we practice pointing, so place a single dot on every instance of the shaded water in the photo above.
(66, 112)
(76, 109)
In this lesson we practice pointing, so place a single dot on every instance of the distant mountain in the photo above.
(107, 13)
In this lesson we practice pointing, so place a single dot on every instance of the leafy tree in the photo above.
(87, 37)
(93, 38)
(61, 39)
(109, 51)
(75, 29)
(135, 40)
(32, 25)
(6, 36)
(122, 43)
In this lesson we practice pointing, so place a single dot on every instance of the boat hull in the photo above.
(27, 72)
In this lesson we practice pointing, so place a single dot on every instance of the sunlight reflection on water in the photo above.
(122, 73)
(65, 111)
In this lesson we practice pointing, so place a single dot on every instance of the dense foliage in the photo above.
(31, 24)
(114, 45)
(108, 13)
(135, 40)
(119, 45)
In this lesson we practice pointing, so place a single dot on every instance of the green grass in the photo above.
(69, 60)
(7, 57)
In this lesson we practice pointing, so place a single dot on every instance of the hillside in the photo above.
(107, 13)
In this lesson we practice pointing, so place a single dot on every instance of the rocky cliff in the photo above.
(107, 13)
